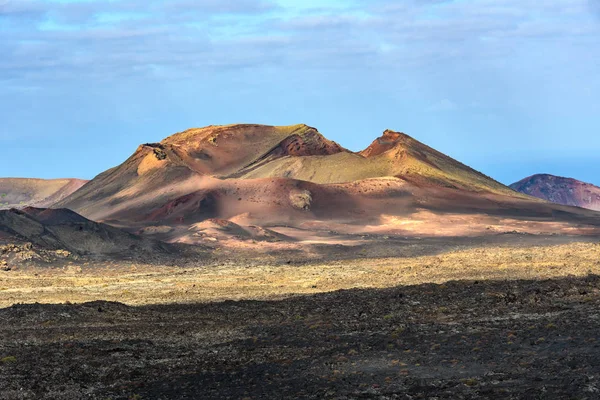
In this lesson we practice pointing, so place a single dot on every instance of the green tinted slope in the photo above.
(392, 155)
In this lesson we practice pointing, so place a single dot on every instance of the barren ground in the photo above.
(510, 318)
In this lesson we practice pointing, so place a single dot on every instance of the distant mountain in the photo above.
(566, 191)
(24, 192)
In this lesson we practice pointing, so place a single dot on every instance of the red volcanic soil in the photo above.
(386, 142)
(310, 144)
(200, 205)
(566, 191)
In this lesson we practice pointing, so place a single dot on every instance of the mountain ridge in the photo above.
(250, 152)
(294, 177)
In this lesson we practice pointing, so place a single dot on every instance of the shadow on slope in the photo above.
(62, 229)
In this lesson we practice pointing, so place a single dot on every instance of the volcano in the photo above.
(566, 191)
(292, 177)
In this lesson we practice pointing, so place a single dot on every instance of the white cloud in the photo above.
(78, 39)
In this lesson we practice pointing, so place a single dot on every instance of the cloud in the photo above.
(220, 6)
(77, 13)
(11, 7)
(56, 40)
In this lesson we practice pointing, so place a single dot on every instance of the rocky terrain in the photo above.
(459, 340)
(510, 317)
(566, 191)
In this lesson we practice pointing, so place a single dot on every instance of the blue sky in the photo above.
(509, 87)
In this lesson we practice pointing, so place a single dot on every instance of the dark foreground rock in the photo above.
(462, 340)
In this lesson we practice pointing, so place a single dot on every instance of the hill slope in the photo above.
(566, 191)
(394, 154)
(160, 172)
(23, 192)
(62, 229)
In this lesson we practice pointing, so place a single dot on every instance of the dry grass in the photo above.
(140, 284)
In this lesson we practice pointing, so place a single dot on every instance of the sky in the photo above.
(508, 87)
